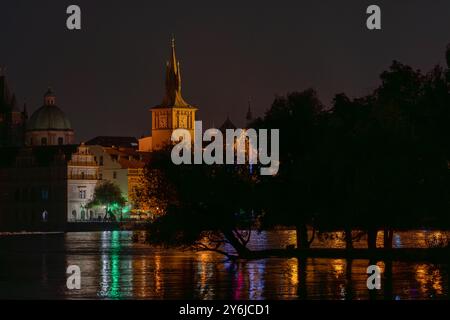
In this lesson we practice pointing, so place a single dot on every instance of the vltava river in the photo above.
(114, 267)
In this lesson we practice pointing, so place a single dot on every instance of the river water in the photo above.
(113, 266)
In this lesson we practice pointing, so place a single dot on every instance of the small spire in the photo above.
(49, 97)
(49, 91)
(249, 116)
(173, 95)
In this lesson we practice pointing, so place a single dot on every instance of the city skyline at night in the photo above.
(112, 69)
(227, 157)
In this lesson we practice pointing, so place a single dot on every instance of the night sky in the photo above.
(110, 73)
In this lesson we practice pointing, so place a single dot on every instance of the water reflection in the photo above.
(206, 274)
(430, 279)
(111, 266)
(114, 267)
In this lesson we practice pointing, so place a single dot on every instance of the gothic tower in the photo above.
(12, 121)
(174, 112)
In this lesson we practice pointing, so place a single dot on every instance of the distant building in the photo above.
(49, 181)
(12, 121)
(59, 180)
(113, 141)
(173, 113)
(49, 126)
(34, 188)
(227, 124)
(83, 176)
(46, 180)
(121, 166)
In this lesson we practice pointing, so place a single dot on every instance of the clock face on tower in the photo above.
(162, 121)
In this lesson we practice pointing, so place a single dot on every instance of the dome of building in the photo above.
(49, 116)
(49, 125)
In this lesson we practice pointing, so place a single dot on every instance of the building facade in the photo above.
(34, 189)
(123, 166)
(82, 178)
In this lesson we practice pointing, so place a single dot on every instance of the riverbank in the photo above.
(107, 226)
(436, 255)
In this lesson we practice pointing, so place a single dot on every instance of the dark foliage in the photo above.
(370, 163)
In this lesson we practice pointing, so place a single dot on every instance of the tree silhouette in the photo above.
(108, 194)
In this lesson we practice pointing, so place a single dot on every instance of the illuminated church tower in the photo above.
(174, 112)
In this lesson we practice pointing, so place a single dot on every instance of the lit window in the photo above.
(44, 194)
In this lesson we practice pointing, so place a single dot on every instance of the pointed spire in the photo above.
(173, 97)
(173, 58)
(249, 116)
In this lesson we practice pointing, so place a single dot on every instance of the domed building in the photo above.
(49, 126)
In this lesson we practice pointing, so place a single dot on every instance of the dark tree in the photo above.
(108, 194)
(207, 207)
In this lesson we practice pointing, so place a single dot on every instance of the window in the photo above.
(60, 140)
(101, 160)
(114, 175)
(44, 141)
(44, 194)
(82, 194)
(100, 176)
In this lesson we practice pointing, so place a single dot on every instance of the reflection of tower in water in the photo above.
(206, 274)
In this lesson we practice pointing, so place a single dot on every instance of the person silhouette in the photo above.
(45, 216)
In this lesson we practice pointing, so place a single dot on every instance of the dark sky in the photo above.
(110, 73)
